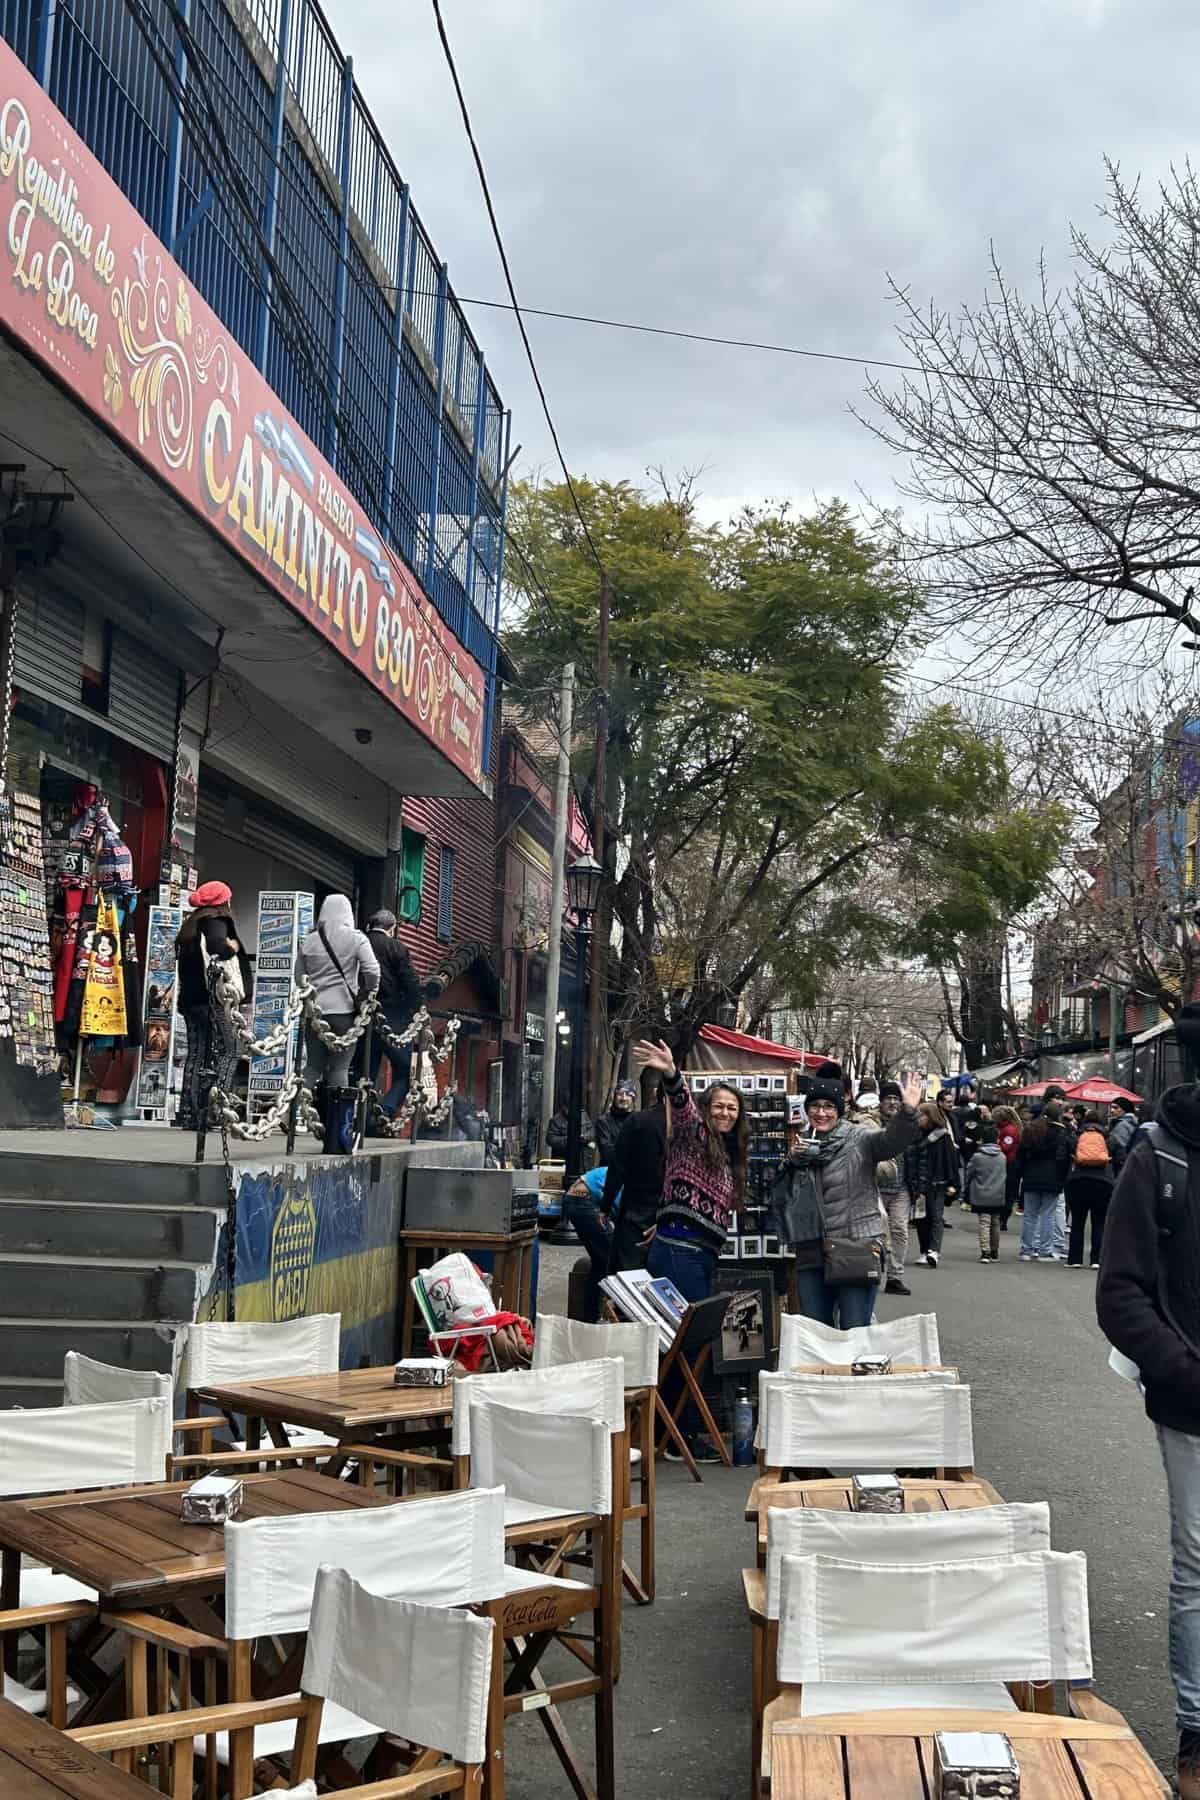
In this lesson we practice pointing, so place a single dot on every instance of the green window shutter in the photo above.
(412, 876)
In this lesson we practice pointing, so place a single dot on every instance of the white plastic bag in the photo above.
(456, 1292)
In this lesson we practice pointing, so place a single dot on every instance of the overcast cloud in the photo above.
(757, 170)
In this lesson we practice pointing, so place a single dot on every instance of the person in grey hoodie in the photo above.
(338, 960)
(984, 1189)
(828, 1188)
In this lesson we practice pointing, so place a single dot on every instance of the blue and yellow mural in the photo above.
(319, 1236)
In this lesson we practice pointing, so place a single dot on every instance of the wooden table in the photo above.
(131, 1545)
(919, 1496)
(512, 1269)
(39, 1763)
(353, 1406)
(889, 1756)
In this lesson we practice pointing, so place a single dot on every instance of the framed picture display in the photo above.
(747, 1339)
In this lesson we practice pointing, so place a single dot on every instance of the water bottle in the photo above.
(743, 1431)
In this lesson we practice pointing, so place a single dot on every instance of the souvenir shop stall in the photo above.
(82, 827)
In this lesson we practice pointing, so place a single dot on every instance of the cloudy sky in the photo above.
(757, 170)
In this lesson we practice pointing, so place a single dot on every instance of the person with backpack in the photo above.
(1122, 1129)
(1089, 1190)
(984, 1189)
(1148, 1307)
(931, 1174)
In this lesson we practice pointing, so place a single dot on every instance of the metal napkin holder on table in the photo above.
(871, 1365)
(974, 1765)
(211, 1500)
(877, 1494)
(423, 1372)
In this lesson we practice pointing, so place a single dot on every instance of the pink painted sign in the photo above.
(86, 288)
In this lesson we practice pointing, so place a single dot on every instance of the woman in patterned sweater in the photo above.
(702, 1189)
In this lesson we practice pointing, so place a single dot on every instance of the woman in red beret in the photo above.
(208, 933)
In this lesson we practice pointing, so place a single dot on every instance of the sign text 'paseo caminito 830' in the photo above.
(86, 288)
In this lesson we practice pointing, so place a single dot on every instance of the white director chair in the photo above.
(868, 1637)
(910, 1340)
(420, 1673)
(868, 1422)
(929, 1537)
(112, 1444)
(223, 1352)
(559, 1341)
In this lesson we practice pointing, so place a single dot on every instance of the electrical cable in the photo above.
(509, 284)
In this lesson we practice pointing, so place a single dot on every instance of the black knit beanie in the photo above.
(826, 1090)
(890, 1090)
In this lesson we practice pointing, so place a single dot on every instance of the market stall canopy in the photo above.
(1100, 1093)
(990, 1074)
(1036, 1089)
(720, 1048)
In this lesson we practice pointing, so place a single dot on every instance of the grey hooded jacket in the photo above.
(353, 951)
(846, 1179)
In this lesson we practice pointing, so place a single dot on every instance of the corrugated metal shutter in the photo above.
(143, 693)
(232, 816)
(49, 658)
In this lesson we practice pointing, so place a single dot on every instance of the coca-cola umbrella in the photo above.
(1099, 1092)
(1033, 1091)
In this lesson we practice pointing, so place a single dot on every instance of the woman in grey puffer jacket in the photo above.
(338, 960)
(842, 1198)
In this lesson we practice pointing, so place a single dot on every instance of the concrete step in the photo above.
(89, 1288)
(32, 1351)
(49, 1228)
(53, 1176)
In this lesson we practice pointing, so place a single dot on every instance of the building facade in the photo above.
(252, 514)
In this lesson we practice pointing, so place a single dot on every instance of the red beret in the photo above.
(211, 893)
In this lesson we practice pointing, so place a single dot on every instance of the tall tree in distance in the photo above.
(763, 763)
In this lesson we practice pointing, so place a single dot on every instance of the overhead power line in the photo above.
(509, 283)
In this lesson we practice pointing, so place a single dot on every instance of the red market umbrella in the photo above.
(1100, 1092)
(1034, 1091)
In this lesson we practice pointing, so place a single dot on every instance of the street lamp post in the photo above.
(583, 894)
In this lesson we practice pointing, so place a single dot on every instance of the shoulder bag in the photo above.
(853, 1262)
(357, 997)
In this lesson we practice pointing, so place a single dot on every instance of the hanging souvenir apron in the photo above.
(104, 988)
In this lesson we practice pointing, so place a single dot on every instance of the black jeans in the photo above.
(930, 1228)
(1080, 1206)
(595, 1234)
(628, 1250)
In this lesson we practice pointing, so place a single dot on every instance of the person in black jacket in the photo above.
(208, 934)
(612, 1123)
(1148, 1305)
(1122, 1129)
(636, 1172)
(399, 998)
(1044, 1162)
(932, 1175)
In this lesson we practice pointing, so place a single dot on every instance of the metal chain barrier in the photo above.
(226, 1110)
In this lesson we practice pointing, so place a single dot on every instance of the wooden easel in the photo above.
(690, 1352)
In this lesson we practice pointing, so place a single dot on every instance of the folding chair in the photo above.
(868, 1537)
(866, 1422)
(107, 1445)
(558, 1341)
(557, 1473)
(864, 1637)
(689, 1353)
(222, 1351)
(359, 1643)
(910, 1340)
(445, 1551)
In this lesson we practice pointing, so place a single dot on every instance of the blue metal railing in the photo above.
(360, 333)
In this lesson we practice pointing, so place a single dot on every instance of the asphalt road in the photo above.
(1051, 1423)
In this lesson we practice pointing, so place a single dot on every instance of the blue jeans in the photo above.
(843, 1307)
(1060, 1226)
(595, 1234)
(1181, 1460)
(692, 1271)
(1037, 1227)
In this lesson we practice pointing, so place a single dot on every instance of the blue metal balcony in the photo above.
(275, 158)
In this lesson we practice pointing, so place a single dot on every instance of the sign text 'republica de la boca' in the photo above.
(86, 288)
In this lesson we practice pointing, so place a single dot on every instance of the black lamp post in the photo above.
(583, 896)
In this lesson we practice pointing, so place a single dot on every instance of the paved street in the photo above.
(1051, 1422)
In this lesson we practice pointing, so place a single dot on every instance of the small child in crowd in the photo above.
(986, 1180)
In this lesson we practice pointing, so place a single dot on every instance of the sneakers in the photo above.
(984, 1257)
(1027, 1256)
(894, 1285)
(930, 1259)
(1093, 1267)
(702, 1448)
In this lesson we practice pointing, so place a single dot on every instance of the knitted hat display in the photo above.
(830, 1091)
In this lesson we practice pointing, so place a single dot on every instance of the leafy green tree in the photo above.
(763, 769)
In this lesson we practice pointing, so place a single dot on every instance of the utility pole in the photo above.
(558, 864)
(603, 930)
